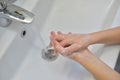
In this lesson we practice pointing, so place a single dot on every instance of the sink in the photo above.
(22, 59)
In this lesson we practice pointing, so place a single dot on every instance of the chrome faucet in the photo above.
(12, 12)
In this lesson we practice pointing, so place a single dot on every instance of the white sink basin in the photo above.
(36, 68)
(23, 61)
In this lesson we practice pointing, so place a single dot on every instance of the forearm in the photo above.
(110, 36)
(94, 65)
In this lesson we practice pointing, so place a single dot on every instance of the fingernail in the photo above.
(70, 33)
(52, 32)
(59, 32)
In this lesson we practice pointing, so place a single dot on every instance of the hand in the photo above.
(67, 44)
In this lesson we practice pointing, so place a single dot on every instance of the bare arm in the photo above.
(78, 41)
(110, 36)
(70, 44)
(94, 65)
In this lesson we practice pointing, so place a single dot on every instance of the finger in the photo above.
(73, 48)
(59, 32)
(53, 35)
(59, 48)
(54, 45)
(66, 42)
(51, 43)
(60, 37)
(69, 32)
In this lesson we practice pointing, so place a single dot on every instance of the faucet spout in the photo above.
(14, 12)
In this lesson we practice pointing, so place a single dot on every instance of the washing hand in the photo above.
(75, 46)
(69, 44)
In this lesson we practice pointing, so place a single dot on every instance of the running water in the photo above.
(47, 53)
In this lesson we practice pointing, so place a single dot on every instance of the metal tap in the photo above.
(13, 12)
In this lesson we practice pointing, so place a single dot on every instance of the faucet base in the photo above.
(4, 22)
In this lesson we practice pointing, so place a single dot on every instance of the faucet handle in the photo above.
(5, 3)
(3, 6)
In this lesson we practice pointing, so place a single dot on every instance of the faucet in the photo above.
(10, 12)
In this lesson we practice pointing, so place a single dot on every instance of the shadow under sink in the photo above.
(117, 66)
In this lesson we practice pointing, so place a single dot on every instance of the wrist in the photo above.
(95, 38)
(81, 56)
(86, 59)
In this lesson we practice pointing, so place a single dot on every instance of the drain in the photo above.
(23, 33)
(48, 54)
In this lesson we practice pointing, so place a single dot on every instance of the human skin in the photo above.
(94, 65)
(76, 42)
(75, 46)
